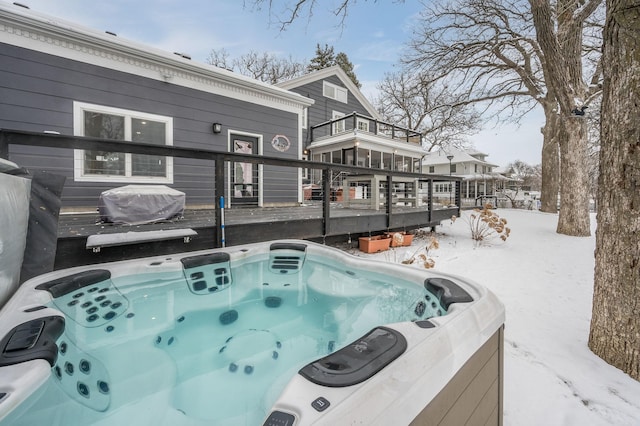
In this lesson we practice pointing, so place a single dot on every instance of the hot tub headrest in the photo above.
(34, 339)
(204, 259)
(357, 361)
(70, 283)
(288, 246)
(447, 291)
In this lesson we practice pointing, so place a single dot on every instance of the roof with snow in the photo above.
(459, 156)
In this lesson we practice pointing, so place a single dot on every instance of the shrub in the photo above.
(486, 224)
(423, 259)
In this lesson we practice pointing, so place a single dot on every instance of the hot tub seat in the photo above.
(357, 361)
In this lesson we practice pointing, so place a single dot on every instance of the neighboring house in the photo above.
(479, 177)
(343, 127)
(58, 76)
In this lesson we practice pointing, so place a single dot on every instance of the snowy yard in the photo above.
(545, 281)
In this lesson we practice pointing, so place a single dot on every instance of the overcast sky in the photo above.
(373, 36)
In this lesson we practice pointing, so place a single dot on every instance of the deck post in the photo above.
(326, 201)
(4, 146)
(458, 199)
(219, 192)
(430, 199)
(389, 200)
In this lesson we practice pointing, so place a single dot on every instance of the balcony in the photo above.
(360, 126)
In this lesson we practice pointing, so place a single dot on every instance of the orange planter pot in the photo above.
(407, 239)
(374, 244)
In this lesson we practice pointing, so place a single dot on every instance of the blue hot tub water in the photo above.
(177, 348)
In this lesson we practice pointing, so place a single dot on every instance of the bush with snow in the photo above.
(486, 224)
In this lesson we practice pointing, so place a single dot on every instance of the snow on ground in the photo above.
(545, 281)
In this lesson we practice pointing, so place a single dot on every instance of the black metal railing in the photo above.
(365, 125)
(422, 214)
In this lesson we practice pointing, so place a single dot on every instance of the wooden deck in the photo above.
(242, 225)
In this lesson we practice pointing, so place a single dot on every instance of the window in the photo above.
(305, 112)
(452, 169)
(363, 156)
(336, 157)
(305, 170)
(363, 125)
(387, 161)
(432, 169)
(442, 187)
(334, 92)
(119, 124)
(338, 126)
(376, 160)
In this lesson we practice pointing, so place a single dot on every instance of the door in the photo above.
(244, 176)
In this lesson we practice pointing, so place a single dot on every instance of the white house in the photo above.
(479, 177)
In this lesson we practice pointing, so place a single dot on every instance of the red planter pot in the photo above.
(407, 239)
(374, 244)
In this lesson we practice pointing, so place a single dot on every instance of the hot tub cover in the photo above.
(14, 219)
(139, 204)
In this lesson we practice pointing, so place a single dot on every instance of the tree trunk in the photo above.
(615, 323)
(561, 45)
(550, 164)
(574, 181)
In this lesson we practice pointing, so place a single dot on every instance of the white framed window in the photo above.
(363, 125)
(338, 126)
(305, 112)
(441, 188)
(334, 92)
(120, 124)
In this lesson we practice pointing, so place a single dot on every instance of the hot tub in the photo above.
(279, 333)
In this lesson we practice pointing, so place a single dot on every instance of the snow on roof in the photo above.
(459, 156)
(38, 31)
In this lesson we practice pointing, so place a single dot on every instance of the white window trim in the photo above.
(335, 92)
(78, 154)
(260, 138)
(363, 123)
(338, 126)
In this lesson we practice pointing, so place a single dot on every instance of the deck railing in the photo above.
(365, 125)
(416, 208)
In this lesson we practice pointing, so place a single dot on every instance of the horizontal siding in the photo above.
(37, 92)
(474, 395)
(323, 108)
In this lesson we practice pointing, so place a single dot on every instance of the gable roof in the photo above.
(459, 156)
(328, 72)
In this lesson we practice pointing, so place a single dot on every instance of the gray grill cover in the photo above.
(139, 204)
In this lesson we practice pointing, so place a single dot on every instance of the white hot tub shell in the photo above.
(431, 369)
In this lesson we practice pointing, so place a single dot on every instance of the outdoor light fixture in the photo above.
(217, 128)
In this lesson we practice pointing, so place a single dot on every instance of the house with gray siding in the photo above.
(342, 126)
(60, 77)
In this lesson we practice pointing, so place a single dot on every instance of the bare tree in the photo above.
(289, 11)
(416, 102)
(559, 32)
(615, 322)
(265, 67)
(490, 48)
(220, 58)
(526, 174)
